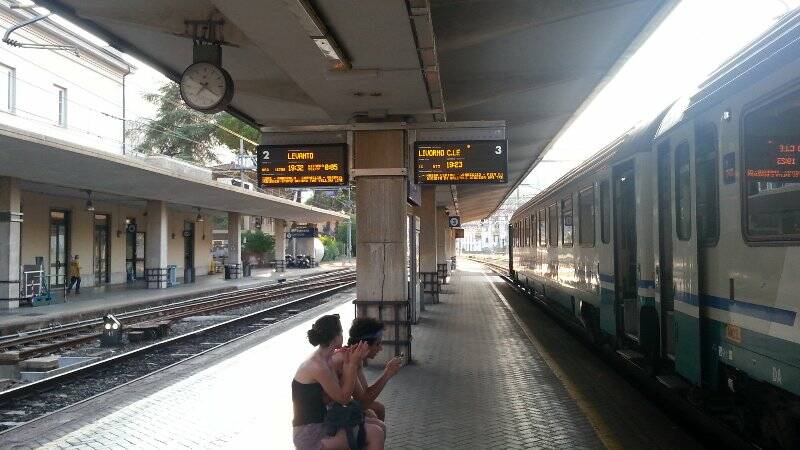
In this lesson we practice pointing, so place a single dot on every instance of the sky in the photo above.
(695, 39)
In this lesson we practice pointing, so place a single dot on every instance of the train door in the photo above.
(625, 264)
(665, 291)
(685, 274)
(605, 253)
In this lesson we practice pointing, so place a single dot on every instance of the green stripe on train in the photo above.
(761, 356)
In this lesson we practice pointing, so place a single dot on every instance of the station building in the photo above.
(70, 186)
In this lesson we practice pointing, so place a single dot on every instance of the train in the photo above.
(678, 244)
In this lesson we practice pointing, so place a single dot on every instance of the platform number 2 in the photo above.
(265, 154)
(498, 149)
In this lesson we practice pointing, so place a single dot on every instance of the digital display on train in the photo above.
(461, 162)
(774, 161)
(302, 165)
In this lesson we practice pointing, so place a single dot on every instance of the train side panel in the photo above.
(753, 289)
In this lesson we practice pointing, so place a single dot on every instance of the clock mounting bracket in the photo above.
(207, 40)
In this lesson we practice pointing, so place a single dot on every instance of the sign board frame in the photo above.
(302, 231)
(343, 163)
(501, 143)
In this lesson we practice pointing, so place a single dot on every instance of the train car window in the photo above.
(525, 242)
(605, 212)
(566, 222)
(542, 229)
(532, 230)
(586, 217)
(706, 167)
(772, 170)
(552, 225)
(683, 193)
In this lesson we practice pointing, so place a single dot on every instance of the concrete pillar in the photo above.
(382, 287)
(234, 238)
(451, 243)
(441, 235)
(427, 233)
(10, 221)
(280, 239)
(157, 238)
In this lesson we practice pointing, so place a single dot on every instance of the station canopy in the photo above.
(533, 64)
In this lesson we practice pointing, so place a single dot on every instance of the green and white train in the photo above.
(679, 243)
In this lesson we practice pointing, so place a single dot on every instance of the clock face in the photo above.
(206, 87)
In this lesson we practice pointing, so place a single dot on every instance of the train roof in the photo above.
(776, 46)
(634, 140)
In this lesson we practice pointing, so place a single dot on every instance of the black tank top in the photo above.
(309, 406)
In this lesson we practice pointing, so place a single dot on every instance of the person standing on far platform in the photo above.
(322, 400)
(75, 275)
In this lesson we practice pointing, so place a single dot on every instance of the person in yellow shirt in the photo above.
(75, 275)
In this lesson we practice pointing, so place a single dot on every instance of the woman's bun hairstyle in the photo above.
(325, 330)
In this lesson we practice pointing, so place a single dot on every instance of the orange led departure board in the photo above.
(461, 162)
(302, 165)
(774, 161)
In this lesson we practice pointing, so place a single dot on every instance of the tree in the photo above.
(335, 200)
(180, 132)
(341, 234)
(331, 248)
(259, 245)
(176, 131)
(237, 126)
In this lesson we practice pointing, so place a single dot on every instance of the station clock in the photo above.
(206, 87)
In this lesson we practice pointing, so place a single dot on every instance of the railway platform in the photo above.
(491, 371)
(96, 301)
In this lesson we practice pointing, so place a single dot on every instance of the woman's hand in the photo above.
(394, 365)
(355, 354)
(361, 351)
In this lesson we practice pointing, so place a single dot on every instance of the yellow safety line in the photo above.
(594, 417)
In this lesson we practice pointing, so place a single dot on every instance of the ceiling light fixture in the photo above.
(318, 33)
(199, 218)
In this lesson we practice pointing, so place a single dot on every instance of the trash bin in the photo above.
(227, 271)
(172, 275)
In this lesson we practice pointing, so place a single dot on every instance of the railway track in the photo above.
(23, 346)
(32, 401)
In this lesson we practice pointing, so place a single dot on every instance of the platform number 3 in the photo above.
(498, 149)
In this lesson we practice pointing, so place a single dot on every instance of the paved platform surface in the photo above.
(484, 377)
(119, 298)
(495, 371)
(236, 397)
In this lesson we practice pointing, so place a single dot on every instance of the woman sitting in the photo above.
(315, 385)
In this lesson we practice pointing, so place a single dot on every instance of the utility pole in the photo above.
(241, 161)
